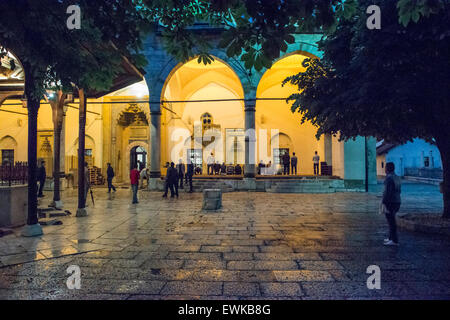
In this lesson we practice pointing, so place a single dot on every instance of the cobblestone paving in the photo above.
(260, 246)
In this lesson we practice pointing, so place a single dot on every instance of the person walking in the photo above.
(190, 173)
(286, 160)
(316, 161)
(210, 161)
(181, 169)
(134, 180)
(294, 164)
(109, 177)
(391, 200)
(41, 176)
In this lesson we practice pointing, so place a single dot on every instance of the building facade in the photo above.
(190, 110)
(416, 158)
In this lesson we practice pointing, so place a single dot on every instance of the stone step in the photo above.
(328, 190)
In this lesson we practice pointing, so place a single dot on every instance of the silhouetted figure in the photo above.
(261, 165)
(294, 164)
(41, 176)
(217, 168)
(316, 161)
(392, 201)
(181, 169)
(237, 169)
(172, 181)
(223, 169)
(286, 159)
(190, 173)
(109, 177)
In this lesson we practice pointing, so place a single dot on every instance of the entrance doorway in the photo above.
(138, 157)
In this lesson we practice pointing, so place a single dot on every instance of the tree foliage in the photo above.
(256, 31)
(391, 83)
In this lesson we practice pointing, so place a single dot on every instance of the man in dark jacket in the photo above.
(286, 160)
(41, 176)
(294, 163)
(171, 181)
(190, 173)
(109, 178)
(181, 168)
(391, 199)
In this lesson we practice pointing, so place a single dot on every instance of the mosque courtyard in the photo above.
(259, 246)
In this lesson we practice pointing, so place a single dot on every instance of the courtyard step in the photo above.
(302, 186)
(200, 185)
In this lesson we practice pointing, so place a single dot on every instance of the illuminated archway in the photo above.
(277, 115)
(191, 91)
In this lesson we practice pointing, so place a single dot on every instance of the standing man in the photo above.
(286, 160)
(181, 169)
(134, 179)
(41, 176)
(316, 161)
(171, 181)
(294, 164)
(109, 178)
(210, 163)
(392, 201)
(190, 173)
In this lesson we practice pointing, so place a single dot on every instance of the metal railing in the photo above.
(13, 174)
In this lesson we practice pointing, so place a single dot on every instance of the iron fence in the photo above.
(13, 174)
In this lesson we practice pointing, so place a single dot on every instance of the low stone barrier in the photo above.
(14, 205)
(212, 199)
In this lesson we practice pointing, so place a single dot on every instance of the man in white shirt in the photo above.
(210, 163)
(316, 160)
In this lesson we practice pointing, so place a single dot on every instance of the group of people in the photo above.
(175, 176)
(215, 168)
(289, 165)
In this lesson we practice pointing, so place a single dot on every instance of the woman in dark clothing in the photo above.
(391, 199)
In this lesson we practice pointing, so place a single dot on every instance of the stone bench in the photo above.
(13, 205)
(212, 199)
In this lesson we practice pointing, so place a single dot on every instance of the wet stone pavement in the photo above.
(260, 246)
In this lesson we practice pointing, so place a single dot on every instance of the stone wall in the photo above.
(14, 204)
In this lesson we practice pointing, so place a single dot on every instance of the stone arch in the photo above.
(8, 142)
(128, 150)
(217, 55)
(284, 140)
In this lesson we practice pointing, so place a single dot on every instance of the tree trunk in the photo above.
(443, 143)
(81, 152)
(33, 104)
(57, 114)
(56, 163)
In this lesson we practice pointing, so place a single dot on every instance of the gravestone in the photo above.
(212, 199)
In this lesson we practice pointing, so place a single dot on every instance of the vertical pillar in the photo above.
(328, 149)
(62, 156)
(155, 144)
(250, 140)
(81, 211)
